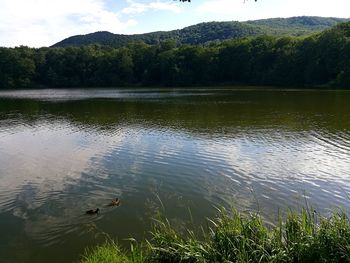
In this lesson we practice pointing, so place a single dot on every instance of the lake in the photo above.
(183, 152)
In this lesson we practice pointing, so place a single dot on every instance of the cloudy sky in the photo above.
(39, 23)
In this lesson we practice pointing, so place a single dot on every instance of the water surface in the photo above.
(63, 152)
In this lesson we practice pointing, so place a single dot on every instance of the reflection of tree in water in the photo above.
(223, 112)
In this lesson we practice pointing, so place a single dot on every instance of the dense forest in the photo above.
(320, 59)
(212, 32)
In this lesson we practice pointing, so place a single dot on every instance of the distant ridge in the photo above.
(205, 33)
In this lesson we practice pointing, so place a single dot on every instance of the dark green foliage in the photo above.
(205, 33)
(318, 60)
(301, 237)
(17, 67)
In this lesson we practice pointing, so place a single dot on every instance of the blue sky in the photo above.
(39, 23)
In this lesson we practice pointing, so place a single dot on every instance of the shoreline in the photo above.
(303, 236)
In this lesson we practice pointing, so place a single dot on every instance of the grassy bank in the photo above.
(299, 237)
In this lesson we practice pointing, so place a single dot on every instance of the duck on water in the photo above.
(93, 212)
(114, 202)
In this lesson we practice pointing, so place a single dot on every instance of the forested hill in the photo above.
(211, 32)
(321, 59)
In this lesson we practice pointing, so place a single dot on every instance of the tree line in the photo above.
(321, 59)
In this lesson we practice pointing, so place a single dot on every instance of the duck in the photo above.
(115, 202)
(92, 212)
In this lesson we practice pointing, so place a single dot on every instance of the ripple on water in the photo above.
(334, 143)
(56, 163)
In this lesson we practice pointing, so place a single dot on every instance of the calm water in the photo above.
(64, 152)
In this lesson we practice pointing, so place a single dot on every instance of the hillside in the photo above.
(321, 59)
(211, 32)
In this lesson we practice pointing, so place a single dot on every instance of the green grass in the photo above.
(233, 237)
(109, 252)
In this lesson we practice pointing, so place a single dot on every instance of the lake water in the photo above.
(63, 152)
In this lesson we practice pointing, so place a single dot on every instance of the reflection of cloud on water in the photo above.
(293, 168)
(37, 163)
(51, 174)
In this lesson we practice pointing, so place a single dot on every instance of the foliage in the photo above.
(205, 33)
(318, 60)
(301, 237)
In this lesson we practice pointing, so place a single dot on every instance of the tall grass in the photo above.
(110, 252)
(233, 237)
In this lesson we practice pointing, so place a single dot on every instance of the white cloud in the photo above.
(138, 8)
(249, 10)
(42, 22)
